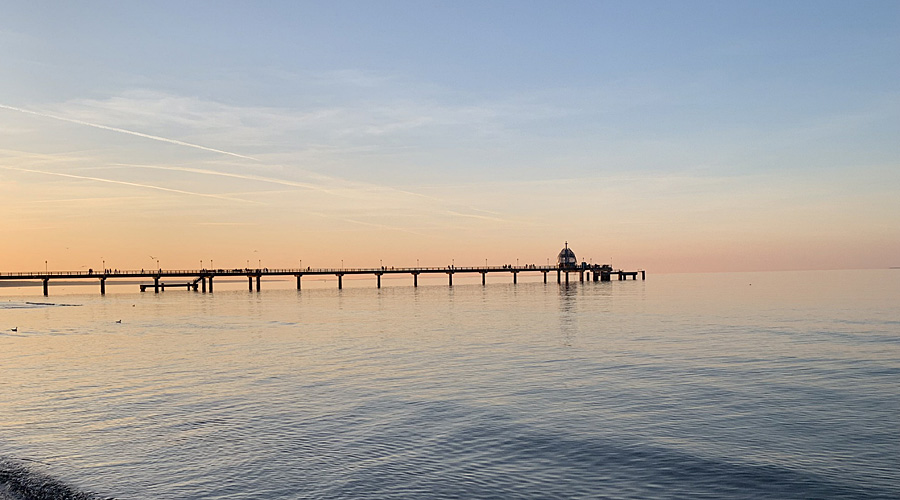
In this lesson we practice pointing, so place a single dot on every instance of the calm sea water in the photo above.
(752, 385)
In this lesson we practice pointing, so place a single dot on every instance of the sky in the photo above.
(694, 136)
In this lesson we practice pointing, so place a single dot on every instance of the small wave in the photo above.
(18, 482)
(33, 305)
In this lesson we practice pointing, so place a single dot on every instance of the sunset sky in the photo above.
(671, 136)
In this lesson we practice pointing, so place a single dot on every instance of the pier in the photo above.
(201, 280)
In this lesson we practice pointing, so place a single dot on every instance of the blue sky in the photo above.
(676, 135)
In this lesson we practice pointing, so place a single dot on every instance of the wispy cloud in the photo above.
(124, 131)
(132, 184)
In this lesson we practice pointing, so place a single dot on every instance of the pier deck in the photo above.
(204, 277)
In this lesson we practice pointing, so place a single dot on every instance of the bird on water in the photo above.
(15, 329)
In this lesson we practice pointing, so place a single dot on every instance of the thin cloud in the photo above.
(133, 184)
(304, 185)
(125, 131)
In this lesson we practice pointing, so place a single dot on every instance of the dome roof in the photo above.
(567, 257)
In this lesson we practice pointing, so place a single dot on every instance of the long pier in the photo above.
(202, 279)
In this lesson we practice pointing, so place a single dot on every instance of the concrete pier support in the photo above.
(378, 275)
(257, 282)
(545, 276)
(340, 281)
(451, 278)
(483, 279)
(581, 276)
(46, 287)
(515, 277)
(298, 281)
(102, 286)
(567, 277)
(203, 283)
(415, 279)
(250, 283)
(156, 284)
(643, 275)
(558, 278)
(210, 284)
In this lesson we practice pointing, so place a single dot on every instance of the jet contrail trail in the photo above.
(125, 183)
(124, 131)
(304, 185)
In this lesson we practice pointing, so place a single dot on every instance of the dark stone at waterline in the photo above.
(18, 482)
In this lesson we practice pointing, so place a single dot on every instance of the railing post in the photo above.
(46, 287)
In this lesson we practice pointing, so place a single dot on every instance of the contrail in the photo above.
(125, 183)
(304, 185)
(346, 192)
(129, 132)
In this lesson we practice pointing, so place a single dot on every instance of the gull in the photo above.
(15, 329)
(118, 321)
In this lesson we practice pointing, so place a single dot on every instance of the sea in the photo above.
(772, 385)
